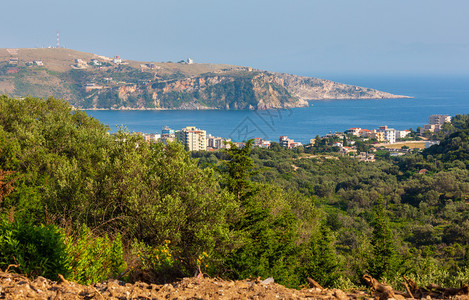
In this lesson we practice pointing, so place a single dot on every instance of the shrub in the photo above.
(94, 259)
(161, 264)
(38, 250)
(158, 259)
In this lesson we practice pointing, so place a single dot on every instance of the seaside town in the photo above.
(383, 138)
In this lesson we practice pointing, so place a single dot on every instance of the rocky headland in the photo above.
(90, 81)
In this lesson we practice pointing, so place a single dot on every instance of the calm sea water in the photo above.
(432, 95)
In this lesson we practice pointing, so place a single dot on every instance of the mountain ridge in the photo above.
(91, 81)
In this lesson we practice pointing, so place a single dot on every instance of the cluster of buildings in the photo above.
(14, 61)
(382, 134)
(196, 139)
(79, 63)
(193, 138)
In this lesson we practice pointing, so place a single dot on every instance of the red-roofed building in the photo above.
(353, 131)
(365, 133)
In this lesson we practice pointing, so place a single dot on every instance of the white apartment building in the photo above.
(389, 134)
(193, 138)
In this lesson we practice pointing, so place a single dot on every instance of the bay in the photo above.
(432, 95)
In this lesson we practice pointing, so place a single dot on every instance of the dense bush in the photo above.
(94, 259)
(36, 250)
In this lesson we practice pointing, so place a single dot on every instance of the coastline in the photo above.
(223, 109)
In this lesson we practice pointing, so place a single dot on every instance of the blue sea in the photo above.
(431, 95)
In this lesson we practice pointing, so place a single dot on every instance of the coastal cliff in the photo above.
(90, 81)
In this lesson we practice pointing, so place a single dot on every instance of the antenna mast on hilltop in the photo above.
(58, 44)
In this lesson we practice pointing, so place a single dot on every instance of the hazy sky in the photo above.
(314, 37)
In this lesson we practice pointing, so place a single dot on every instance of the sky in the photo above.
(305, 37)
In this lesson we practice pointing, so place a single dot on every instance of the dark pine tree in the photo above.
(385, 260)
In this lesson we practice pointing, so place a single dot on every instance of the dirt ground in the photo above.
(399, 145)
(14, 286)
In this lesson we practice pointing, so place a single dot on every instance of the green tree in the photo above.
(320, 259)
(238, 171)
(384, 261)
(265, 223)
(70, 169)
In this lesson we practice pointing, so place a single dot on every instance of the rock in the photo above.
(338, 294)
(268, 280)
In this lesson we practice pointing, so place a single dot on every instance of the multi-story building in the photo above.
(284, 141)
(353, 131)
(193, 138)
(377, 135)
(435, 123)
(167, 135)
(365, 133)
(389, 134)
(438, 119)
(261, 143)
(257, 141)
(217, 142)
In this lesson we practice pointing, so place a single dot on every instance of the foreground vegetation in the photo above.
(78, 201)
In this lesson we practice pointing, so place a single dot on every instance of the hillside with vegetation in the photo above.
(89, 205)
(90, 81)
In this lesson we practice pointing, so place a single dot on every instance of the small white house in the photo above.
(402, 133)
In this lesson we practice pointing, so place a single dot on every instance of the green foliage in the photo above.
(38, 250)
(454, 147)
(422, 209)
(320, 258)
(268, 246)
(165, 264)
(72, 169)
(68, 168)
(429, 270)
(94, 259)
(266, 224)
(238, 170)
(158, 259)
(384, 261)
